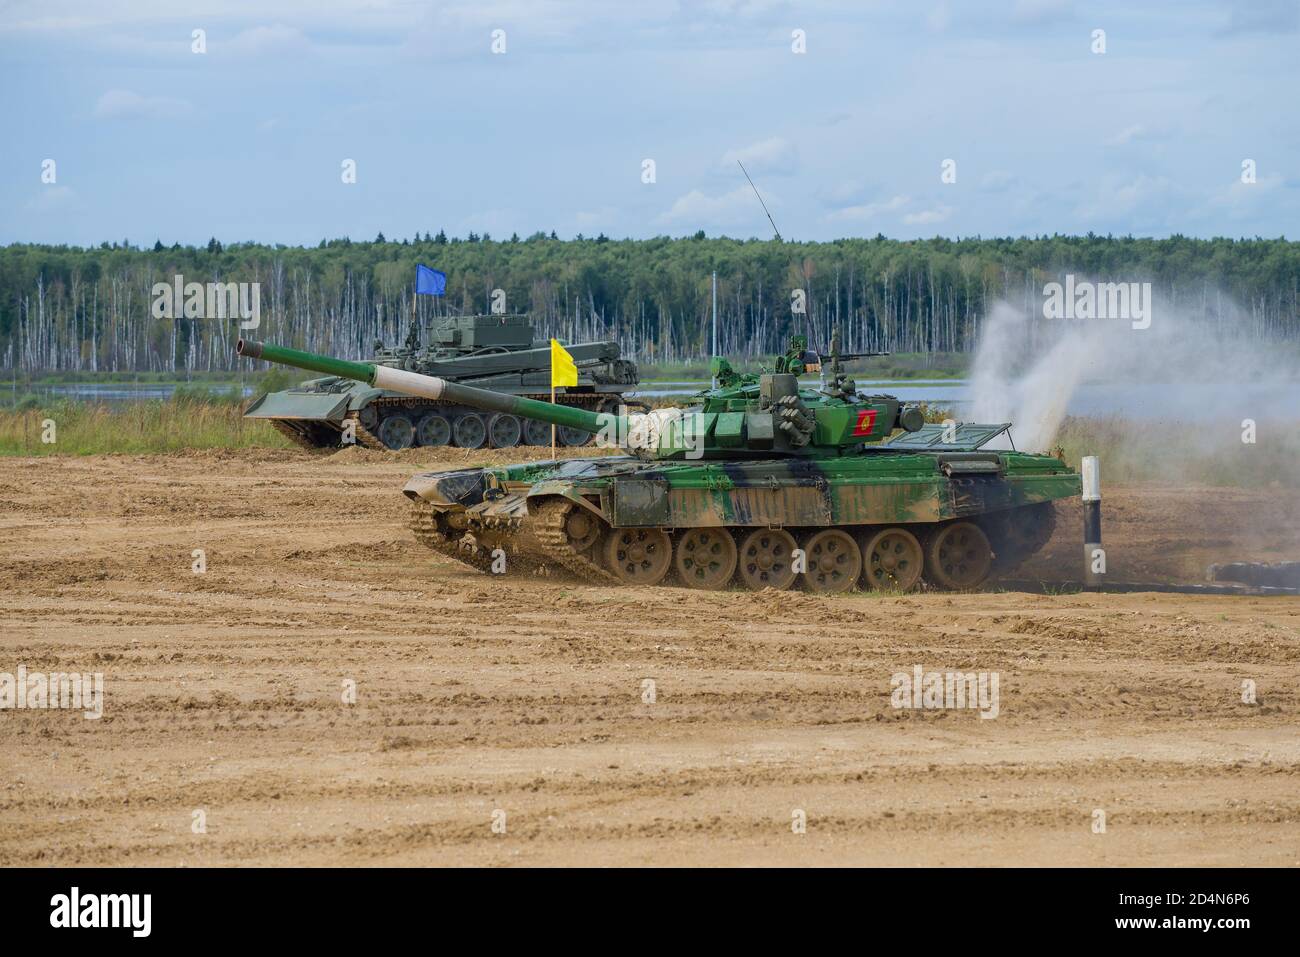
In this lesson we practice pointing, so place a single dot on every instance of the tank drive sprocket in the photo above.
(551, 526)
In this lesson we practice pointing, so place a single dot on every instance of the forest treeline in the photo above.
(91, 309)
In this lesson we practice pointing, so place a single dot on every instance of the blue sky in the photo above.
(246, 141)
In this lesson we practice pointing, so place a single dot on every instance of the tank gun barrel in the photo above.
(828, 356)
(432, 387)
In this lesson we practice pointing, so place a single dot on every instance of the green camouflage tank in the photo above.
(489, 352)
(763, 483)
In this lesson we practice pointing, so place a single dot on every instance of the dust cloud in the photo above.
(1191, 384)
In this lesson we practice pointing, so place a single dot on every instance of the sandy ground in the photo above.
(522, 701)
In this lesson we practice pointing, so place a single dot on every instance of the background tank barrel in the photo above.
(432, 387)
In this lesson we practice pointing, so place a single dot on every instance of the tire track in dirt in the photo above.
(223, 692)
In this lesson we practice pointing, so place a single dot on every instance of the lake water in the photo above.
(1146, 401)
(114, 392)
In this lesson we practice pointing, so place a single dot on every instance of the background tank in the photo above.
(764, 483)
(490, 352)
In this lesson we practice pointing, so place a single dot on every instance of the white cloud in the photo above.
(1244, 199)
(117, 104)
(1042, 11)
(865, 211)
(847, 192)
(701, 210)
(257, 41)
(775, 155)
(995, 181)
(589, 219)
(1127, 135)
(1117, 199)
(835, 119)
(51, 198)
(928, 217)
(1263, 16)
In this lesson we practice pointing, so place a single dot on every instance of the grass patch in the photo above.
(270, 380)
(86, 428)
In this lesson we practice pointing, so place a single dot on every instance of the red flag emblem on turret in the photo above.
(866, 422)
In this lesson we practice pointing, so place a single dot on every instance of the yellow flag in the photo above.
(563, 371)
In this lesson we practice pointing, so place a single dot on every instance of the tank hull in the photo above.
(356, 414)
(588, 515)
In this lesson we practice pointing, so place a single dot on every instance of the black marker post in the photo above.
(1094, 556)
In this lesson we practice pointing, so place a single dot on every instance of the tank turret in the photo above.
(766, 415)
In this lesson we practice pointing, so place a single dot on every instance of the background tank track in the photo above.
(324, 436)
(315, 437)
(295, 436)
(365, 438)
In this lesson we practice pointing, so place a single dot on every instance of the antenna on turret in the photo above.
(808, 323)
(760, 201)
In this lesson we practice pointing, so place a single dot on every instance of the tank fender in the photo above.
(460, 487)
(358, 399)
(593, 501)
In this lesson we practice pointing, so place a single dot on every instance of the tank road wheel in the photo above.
(705, 558)
(892, 559)
(469, 431)
(958, 557)
(504, 431)
(537, 433)
(638, 556)
(582, 529)
(834, 561)
(572, 437)
(396, 431)
(433, 430)
(767, 559)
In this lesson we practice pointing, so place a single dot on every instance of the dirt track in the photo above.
(223, 692)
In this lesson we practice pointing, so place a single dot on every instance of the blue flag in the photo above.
(430, 282)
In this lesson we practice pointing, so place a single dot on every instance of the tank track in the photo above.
(543, 542)
(552, 548)
(548, 530)
(1020, 535)
(365, 438)
(294, 436)
(424, 525)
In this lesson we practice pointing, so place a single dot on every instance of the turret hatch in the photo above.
(936, 437)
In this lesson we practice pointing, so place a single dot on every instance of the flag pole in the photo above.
(715, 323)
(552, 396)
